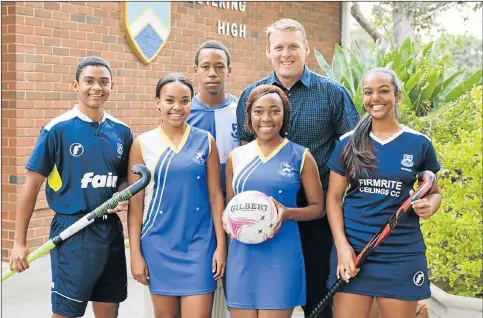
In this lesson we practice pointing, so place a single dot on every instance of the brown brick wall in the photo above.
(42, 43)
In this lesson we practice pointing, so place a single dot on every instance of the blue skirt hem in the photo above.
(264, 307)
(372, 293)
(180, 294)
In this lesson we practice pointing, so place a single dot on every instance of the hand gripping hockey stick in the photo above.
(427, 178)
(101, 210)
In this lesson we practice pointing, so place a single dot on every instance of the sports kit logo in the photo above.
(120, 149)
(285, 169)
(98, 180)
(76, 149)
(407, 161)
(147, 26)
(418, 278)
(198, 158)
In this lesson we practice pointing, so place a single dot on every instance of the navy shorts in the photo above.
(88, 266)
(403, 277)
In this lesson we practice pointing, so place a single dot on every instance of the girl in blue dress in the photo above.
(268, 279)
(179, 251)
(373, 170)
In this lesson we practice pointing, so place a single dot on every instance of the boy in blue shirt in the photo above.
(83, 154)
(213, 108)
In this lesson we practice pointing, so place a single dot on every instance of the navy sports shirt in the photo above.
(322, 111)
(371, 201)
(82, 160)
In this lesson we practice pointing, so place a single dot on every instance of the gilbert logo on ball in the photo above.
(250, 217)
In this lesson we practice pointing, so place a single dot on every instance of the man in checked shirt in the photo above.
(322, 111)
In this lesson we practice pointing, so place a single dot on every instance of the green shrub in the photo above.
(453, 235)
(429, 80)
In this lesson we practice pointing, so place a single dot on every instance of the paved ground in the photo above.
(27, 295)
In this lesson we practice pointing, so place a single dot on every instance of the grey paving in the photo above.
(27, 295)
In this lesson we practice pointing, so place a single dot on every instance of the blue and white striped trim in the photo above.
(155, 205)
(245, 173)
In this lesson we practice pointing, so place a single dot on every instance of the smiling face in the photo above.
(94, 86)
(212, 70)
(267, 116)
(174, 103)
(380, 97)
(287, 51)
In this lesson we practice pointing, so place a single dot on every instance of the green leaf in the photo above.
(444, 87)
(358, 100)
(432, 79)
(465, 86)
(358, 70)
(402, 71)
(341, 68)
(323, 64)
(344, 81)
(412, 81)
(450, 80)
(406, 51)
(339, 64)
(428, 49)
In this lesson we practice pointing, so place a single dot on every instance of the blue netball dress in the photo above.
(398, 268)
(177, 236)
(269, 275)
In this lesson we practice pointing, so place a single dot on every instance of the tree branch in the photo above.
(367, 26)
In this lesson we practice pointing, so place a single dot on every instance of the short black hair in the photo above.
(212, 44)
(171, 78)
(91, 61)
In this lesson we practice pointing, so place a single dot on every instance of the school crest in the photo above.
(285, 169)
(198, 158)
(146, 26)
(407, 161)
(234, 132)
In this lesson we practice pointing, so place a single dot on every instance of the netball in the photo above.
(250, 217)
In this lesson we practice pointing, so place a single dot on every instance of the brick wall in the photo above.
(43, 41)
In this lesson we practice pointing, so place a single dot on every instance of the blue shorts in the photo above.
(88, 266)
(403, 277)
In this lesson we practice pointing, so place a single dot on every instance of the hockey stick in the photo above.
(427, 178)
(101, 210)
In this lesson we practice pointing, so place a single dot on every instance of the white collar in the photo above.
(83, 116)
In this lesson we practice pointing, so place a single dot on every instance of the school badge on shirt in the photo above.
(198, 158)
(407, 162)
(285, 169)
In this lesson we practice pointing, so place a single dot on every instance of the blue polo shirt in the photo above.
(322, 111)
(83, 160)
(374, 197)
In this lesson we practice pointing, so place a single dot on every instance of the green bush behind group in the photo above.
(444, 103)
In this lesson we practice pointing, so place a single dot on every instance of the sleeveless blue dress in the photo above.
(269, 275)
(177, 237)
